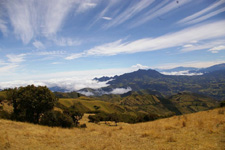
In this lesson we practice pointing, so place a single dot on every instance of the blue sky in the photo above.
(68, 42)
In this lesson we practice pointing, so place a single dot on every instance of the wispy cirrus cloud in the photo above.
(12, 63)
(130, 12)
(158, 10)
(212, 14)
(12, 58)
(85, 5)
(38, 44)
(201, 45)
(217, 49)
(51, 53)
(30, 19)
(209, 31)
(66, 41)
(204, 14)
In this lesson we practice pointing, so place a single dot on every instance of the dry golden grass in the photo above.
(200, 131)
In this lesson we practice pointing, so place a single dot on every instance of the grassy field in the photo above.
(86, 104)
(201, 131)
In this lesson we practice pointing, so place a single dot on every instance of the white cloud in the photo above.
(201, 32)
(188, 45)
(84, 6)
(56, 63)
(204, 11)
(76, 80)
(162, 8)
(217, 48)
(33, 18)
(16, 58)
(71, 80)
(8, 68)
(86, 93)
(207, 16)
(120, 90)
(184, 73)
(202, 45)
(140, 66)
(38, 44)
(130, 12)
(51, 53)
(66, 41)
(19, 15)
(70, 84)
(107, 18)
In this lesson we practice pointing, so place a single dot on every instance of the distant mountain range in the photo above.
(211, 82)
(192, 70)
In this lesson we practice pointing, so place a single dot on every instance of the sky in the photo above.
(67, 43)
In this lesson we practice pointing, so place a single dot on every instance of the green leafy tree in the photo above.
(30, 102)
(56, 118)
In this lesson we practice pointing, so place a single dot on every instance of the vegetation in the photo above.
(36, 105)
(30, 102)
(202, 130)
(222, 104)
(128, 118)
(67, 94)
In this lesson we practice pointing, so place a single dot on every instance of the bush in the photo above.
(122, 117)
(56, 118)
(222, 104)
(83, 126)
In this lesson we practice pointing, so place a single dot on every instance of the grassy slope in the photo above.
(202, 130)
(86, 104)
(190, 102)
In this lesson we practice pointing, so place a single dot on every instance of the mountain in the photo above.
(104, 78)
(152, 102)
(57, 89)
(213, 68)
(192, 70)
(178, 69)
(211, 84)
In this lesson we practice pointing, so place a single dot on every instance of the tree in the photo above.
(30, 102)
(96, 108)
(75, 115)
(56, 118)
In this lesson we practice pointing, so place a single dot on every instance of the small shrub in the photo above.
(83, 126)
(184, 124)
(222, 104)
(145, 135)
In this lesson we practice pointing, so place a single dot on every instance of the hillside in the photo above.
(211, 84)
(202, 130)
(86, 104)
(153, 102)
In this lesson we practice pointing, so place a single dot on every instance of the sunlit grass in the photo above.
(202, 130)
